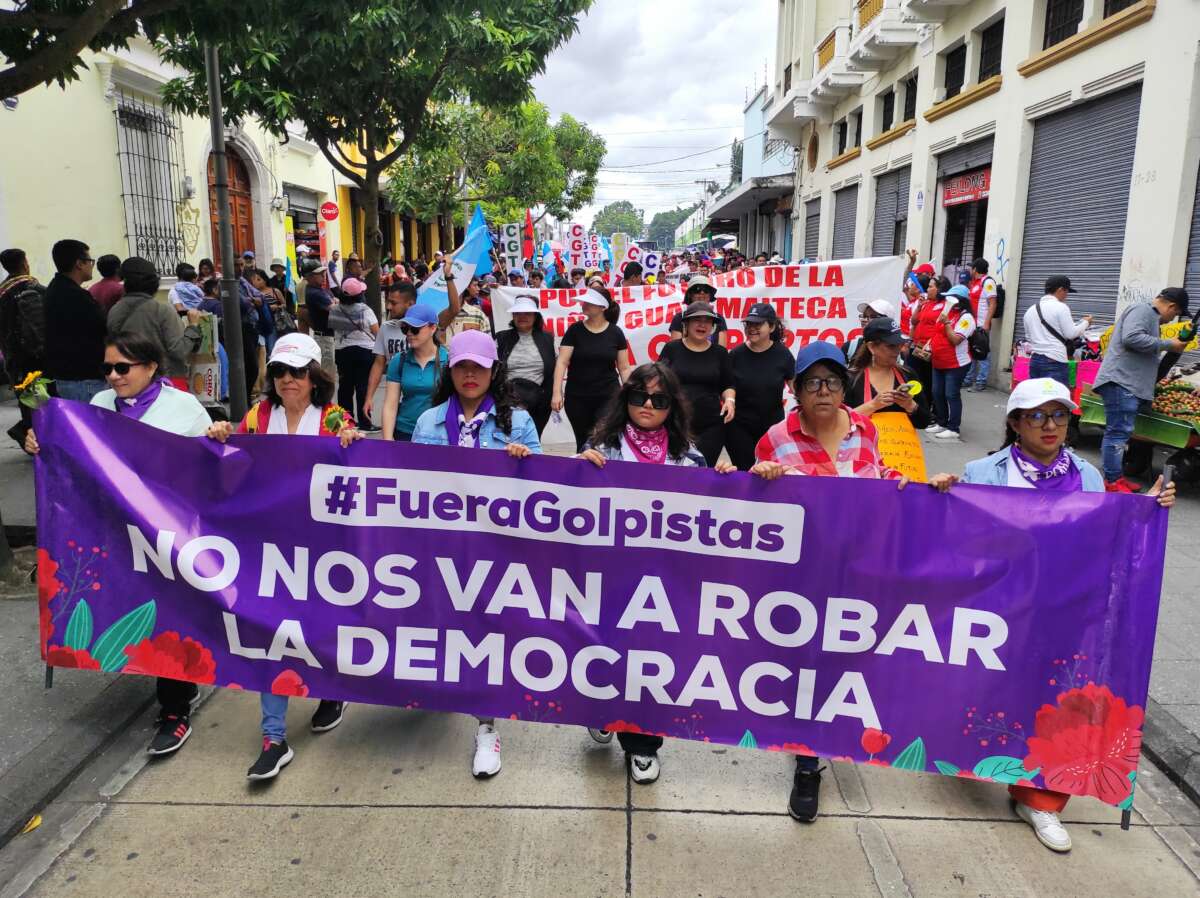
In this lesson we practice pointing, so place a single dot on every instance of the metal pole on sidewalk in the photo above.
(230, 301)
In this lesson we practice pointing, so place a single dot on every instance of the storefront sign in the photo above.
(329, 211)
(967, 188)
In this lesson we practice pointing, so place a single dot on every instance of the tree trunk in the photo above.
(446, 229)
(373, 239)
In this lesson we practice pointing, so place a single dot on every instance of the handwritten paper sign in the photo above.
(900, 445)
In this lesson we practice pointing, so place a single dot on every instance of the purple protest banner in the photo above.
(992, 633)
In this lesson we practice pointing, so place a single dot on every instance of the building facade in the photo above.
(1047, 136)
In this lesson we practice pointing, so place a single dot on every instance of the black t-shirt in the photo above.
(704, 375)
(677, 326)
(593, 367)
(759, 378)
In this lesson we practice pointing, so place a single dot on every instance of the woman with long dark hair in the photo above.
(527, 351)
(648, 421)
(762, 366)
(473, 409)
(595, 352)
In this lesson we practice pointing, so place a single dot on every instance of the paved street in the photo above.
(386, 804)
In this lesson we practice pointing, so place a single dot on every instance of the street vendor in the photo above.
(1128, 374)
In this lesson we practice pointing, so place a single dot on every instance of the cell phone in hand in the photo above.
(904, 387)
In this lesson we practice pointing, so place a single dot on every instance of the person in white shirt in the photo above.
(1048, 327)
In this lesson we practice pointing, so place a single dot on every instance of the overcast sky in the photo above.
(660, 80)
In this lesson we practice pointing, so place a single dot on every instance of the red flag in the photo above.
(527, 243)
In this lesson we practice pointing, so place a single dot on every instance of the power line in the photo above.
(660, 130)
(723, 146)
(668, 171)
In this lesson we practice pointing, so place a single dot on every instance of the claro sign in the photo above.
(967, 187)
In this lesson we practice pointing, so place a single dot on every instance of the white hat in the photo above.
(880, 307)
(593, 298)
(524, 304)
(302, 248)
(1036, 391)
(296, 350)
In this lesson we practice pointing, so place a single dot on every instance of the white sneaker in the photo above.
(934, 428)
(487, 751)
(644, 768)
(950, 436)
(602, 736)
(1046, 826)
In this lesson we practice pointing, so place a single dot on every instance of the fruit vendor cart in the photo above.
(1171, 421)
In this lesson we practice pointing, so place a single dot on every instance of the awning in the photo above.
(749, 195)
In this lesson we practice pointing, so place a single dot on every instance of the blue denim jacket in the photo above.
(431, 430)
(993, 471)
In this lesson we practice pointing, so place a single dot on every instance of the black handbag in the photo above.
(1071, 345)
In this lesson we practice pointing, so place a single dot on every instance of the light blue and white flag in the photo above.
(474, 256)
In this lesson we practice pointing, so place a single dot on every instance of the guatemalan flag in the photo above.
(473, 256)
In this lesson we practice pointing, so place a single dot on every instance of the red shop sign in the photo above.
(329, 211)
(967, 187)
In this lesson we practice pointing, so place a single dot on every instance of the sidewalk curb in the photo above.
(1173, 748)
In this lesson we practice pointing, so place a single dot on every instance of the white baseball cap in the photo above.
(296, 350)
(524, 304)
(879, 307)
(1036, 391)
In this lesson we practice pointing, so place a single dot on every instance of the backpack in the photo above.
(30, 333)
(979, 344)
(999, 298)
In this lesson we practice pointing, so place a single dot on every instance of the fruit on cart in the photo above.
(1177, 399)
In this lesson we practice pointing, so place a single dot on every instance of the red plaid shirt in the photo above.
(858, 456)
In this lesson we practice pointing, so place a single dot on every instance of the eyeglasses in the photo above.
(1038, 418)
(122, 368)
(279, 369)
(87, 259)
(408, 330)
(659, 401)
(814, 384)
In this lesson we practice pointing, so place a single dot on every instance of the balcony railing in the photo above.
(825, 50)
(868, 10)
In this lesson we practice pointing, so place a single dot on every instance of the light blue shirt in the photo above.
(172, 410)
(431, 430)
(993, 471)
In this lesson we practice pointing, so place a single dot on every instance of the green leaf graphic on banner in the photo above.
(129, 630)
(913, 757)
(946, 769)
(748, 740)
(79, 628)
(1127, 804)
(1004, 769)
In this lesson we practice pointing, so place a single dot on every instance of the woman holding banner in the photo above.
(1035, 457)
(762, 366)
(648, 422)
(704, 370)
(299, 400)
(473, 409)
(877, 383)
(597, 354)
(823, 437)
(527, 351)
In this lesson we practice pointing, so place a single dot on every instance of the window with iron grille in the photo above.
(1112, 7)
(956, 71)
(841, 137)
(150, 155)
(787, 79)
(1062, 20)
(910, 99)
(991, 42)
(888, 112)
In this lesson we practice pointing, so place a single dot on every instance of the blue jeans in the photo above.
(1120, 408)
(979, 372)
(947, 396)
(274, 714)
(79, 390)
(1043, 366)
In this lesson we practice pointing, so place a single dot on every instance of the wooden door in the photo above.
(241, 207)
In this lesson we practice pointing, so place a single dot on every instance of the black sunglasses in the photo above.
(408, 330)
(122, 368)
(659, 401)
(279, 369)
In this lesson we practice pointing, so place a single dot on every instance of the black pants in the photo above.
(582, 412)
(710, 440)
(640, 743)
(535, 399)
(923, 368)
(741, 436)
(250, 359)
(354, 370)
(175, 696)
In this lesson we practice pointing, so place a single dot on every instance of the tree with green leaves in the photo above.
(619, 217)
(364, 79)
(662, 226)
(735, 162)
(508, 160)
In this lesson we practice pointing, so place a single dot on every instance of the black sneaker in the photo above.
(806, 790)
(327, 716)
(275, 756)
(173, 731)
(369, 428)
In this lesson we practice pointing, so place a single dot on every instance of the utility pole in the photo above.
(231, 304)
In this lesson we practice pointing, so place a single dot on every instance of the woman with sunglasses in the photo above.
(473, 409)
(762, 366)
(527, 351)
(823, 437)
(413, 373)
(133, 368)
(299, 401)
(704, 370)
(700, 289)
(596, 353)
(1035, 457)
(648, 421)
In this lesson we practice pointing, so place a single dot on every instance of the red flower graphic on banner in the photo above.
(61, 656)
(1088, 745)
(45, 626)
(623, 726)
(166, 655)
(48, 583)
(874, 741)
(289, 683)
(793, 748)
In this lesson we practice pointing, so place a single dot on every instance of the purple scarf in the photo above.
(456, 421)
(1060, 476)
(137, 407)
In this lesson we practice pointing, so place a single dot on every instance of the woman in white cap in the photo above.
(354, 328)
(704, 369)
(1035, 457)
(867, 312)
(298, 401)
(596, 353)
(527, 350)
(473, 409)
(951, 358)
